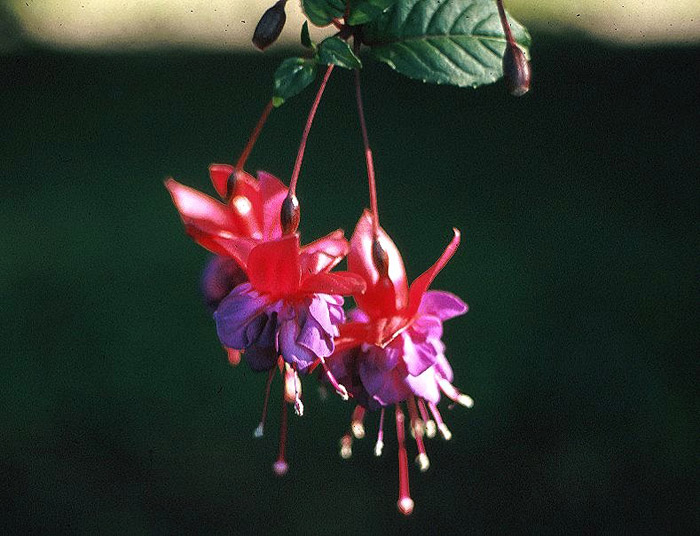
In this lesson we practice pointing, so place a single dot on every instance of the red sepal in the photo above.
(273, 267)
(341, 283)
(323, 254)
(422, 282)
(383, 298)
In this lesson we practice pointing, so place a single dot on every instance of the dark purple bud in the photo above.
(516, 71)
(380, 258)
(270, 26)
(290, 214)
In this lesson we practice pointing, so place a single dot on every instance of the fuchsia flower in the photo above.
(276, 301)
(392, 351)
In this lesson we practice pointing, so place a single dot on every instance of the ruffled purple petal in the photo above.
(444, 305)
(235, 318)
(292, 352)
(443, 368)
(384, 386)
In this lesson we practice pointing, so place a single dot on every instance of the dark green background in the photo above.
(578, 207)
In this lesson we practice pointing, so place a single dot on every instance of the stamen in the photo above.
(298, 405)
(292, 386)
(418, 430)
(379, 445)
(346, 446)
(339, 388)
(357, 423)
(444, 430)
(405, 503)
(454, 394)
(280, 466)
(430, 428)
(261, 427)
(417, 427)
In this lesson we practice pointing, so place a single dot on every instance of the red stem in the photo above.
(253, 137)
(368, 154)
(305, 135)
(505, 23)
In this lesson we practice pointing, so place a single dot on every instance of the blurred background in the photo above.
(578, 205)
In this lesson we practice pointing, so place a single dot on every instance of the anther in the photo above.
(430, 428)
(346, 446)
(444, 430)
(356, 424)
(454, 394)
(423, 462)
(270, 25)
(290, 214)
(379, 445)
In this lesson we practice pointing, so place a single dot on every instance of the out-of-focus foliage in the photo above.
(226, 24)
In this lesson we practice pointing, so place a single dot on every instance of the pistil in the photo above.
(405, 503)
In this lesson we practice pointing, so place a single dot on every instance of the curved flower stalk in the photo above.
(391, 350)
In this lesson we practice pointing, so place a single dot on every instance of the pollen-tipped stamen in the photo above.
(453, 393)
(444, 430)
(405, 503)
(417, 426)
(430, 427)
(260, 430)
(280, 466)
(379, 445)
(339, 388)
(417, 431)
(357, 422)
(346, 446)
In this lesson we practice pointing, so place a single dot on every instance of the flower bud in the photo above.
(516, 71)
(290, 214)
(270, 26)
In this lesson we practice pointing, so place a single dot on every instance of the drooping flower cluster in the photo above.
(279, 306)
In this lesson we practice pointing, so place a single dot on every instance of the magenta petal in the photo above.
(424, 386)
(235, 315)
(418, 357)
(444, 305)
(442, 367)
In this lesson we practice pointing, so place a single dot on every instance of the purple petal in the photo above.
(424, 386)
(418, 357)
(318, 309)
(384, 386)
(443, 368)
(442, 304)
(236, 313)
(293, 353)
(220, 276)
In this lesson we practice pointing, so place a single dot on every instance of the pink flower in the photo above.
(391, 351)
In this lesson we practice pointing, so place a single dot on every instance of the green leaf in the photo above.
(291, 78)
(337, 52)
(305, 37)
(322, 12)
(458, 42)
(364, 11)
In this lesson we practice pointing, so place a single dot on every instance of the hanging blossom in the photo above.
(285, 305)
(391, 350)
